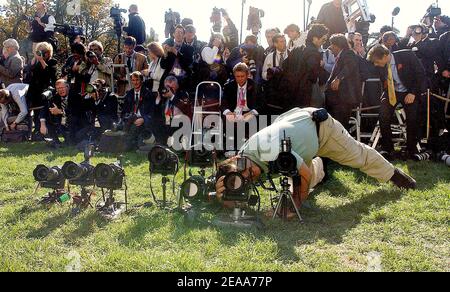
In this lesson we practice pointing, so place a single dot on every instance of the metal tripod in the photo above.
(285, 197)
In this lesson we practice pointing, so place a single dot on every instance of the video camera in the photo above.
(116, 14)
(432, 12)
(171, 19)
(216, 19)
(69, 31)
(109, 176)
(163, 161)
(254, 20)
(49, 177)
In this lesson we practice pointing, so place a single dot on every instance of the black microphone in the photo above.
(396, 11)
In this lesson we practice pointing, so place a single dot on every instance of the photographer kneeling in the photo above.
(14, 109)
(313, 133)
(103, 104)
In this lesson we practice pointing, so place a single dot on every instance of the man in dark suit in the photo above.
(136, 25)
(344, 88)
(405, 82)
(304, 70)
(332, 16)
(241, 102)
(137, 111)
(180, 58)
(103, 105)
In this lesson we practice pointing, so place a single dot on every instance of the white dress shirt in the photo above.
(268, 63)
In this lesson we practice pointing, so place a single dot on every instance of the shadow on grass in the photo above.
(50, 225)
(330, 225)
(86, 226)
(429, 175)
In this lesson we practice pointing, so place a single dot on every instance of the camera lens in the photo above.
(286, 162)
(71, 170)
(158, 156)
(103, 172)
(41, 173)
(193, 187)
(234, 182)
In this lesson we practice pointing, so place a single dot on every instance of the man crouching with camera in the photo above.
(313, 133)
(137, 112)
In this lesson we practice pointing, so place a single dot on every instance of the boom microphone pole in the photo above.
(242, 20)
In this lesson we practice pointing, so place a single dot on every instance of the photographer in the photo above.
(103, 104)
(230, 32)
(296, 39)
(277, 58)
(155, 73)
(132, 60)
(137, 112)
(304, 70)
(428, 52)
(136, 25)
(11, 71)
(42, 27)
(321, 136)
(214, 66)
(14, 110)
(96, 65)
(190, 39)
(252, 55)
(180, 57)
(270, 33)
(441, 25)
(71, 69)
(332, 16)
(64, 106)
(173, 103)
(43, 72)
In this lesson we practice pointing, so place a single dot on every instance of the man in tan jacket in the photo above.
(132, 62)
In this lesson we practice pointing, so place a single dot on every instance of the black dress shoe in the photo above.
(403, 181)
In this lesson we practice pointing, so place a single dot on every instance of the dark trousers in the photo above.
(412, 125)
(341, 112)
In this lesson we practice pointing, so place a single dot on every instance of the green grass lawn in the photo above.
(355, 223)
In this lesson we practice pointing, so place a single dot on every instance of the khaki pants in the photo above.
(337, 144)
(318, 173)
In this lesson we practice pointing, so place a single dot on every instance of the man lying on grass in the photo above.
(310, 139)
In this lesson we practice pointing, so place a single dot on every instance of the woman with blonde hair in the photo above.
(43, 76)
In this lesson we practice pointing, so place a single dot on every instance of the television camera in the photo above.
(82, 175)
(166, 163)
(111, 177)
(172, 19)
(254, 20)
(51, 178)
(216, 19)
(116, 14)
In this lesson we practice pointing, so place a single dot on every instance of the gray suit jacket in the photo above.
(12, 71)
